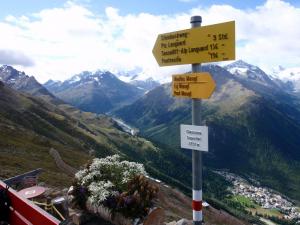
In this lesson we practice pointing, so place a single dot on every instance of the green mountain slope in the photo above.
(254, 129)
(26, 138)
(30, 127)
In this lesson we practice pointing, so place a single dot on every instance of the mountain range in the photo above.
(31, 126)
(21, 82)
(253, 120)
(290, 76)
(99, 91)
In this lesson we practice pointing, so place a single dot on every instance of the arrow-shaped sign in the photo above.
(196, 45)
(193, 85)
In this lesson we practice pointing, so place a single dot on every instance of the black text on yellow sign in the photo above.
(193, 85)
(196, 45)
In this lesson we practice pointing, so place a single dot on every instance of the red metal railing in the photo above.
(24, 212)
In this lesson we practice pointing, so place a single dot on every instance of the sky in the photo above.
(56, 39)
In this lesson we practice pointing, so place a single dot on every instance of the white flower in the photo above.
(99, 191)
(80, 174)
(107, 175)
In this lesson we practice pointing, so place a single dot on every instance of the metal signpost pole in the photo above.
(197, 155)
(212, 43)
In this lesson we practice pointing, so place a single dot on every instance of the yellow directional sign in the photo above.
(196, 45)
(193, 85)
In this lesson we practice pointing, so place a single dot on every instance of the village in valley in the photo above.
(264, 197)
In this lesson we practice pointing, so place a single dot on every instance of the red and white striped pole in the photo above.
(197, 206)
(197, 156)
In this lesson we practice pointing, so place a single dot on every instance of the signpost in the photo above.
(194, 137)
(193, 85)
(194, 46)
(211, 43)
(197, 155)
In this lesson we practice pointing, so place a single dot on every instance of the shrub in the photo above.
(80, 195)
(136, 201)
(121, 186)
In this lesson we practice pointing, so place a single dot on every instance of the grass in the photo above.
(268, 212)
(25, 151)
(254, 208)
(30, 127)
(246, 202)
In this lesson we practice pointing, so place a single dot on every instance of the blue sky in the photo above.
(56, 38)
(20, 7)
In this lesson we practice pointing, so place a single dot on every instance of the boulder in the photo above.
(183, 222)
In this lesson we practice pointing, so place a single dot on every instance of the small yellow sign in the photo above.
(196, 45)
(193, 85)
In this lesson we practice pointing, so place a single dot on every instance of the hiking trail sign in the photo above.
(193, 85)
(194, 137)
(194, 46)
(211, 43)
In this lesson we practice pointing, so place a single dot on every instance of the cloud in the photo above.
(266, 36)
(14, 57)
(67, 40)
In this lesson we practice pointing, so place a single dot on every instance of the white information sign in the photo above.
(194, 137)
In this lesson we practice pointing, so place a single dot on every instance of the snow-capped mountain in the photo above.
(127, 76)
(99, 91)
(146, 85)
(290, 76)
(20, 81)
(98, 78)
(287, 80)
(138, 79)
(53, 85)
(131, 75)
(254, 73)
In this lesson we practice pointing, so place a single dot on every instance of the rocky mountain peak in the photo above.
(245, 70)
(290, 77)
(146, 85)
(98, 91)
(18, 80)
(98, 78)
(10, 75)
(239, 63)
(52, 82)
(241, 66)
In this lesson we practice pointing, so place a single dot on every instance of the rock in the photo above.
(70, 191)
(80, 218)
(183, 222)
(155, 217)
(171, 223)
(77, 218)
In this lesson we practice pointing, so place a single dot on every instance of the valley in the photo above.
(246, 116)
(258, 198)
(245, 120)
(125, 127)
(180, 112)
